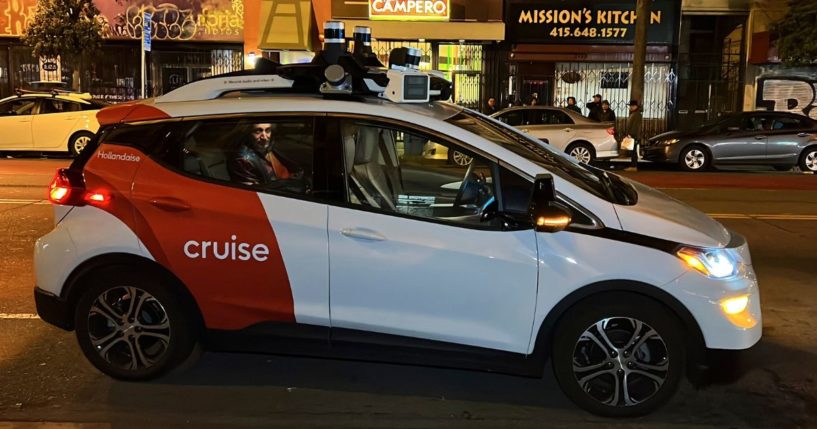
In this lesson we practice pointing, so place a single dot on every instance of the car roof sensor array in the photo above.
(333, 72)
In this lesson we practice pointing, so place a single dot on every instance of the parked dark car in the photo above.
(778, 139)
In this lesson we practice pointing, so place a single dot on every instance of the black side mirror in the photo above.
(545, 215)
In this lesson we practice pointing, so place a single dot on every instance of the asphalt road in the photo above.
(45, 378)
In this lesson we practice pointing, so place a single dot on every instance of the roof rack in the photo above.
(334, 73)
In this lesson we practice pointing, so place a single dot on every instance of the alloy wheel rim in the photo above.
(129, 328)
(695, 159)
(80, 143)
(811, 161)
(461, 158)
(581, 154)
(620, 361)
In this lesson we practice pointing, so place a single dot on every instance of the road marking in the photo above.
(22, 201)
(18, 316)
(763, 216)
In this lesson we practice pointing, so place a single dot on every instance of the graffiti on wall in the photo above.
(15, 15)
(177, 20)
(793, 93)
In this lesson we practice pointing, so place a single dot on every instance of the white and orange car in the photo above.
(241, 208)
(48, 122)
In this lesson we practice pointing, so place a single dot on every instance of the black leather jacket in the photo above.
(252, 168)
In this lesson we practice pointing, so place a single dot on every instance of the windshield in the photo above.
(594, 180)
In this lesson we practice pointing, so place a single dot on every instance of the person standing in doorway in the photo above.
(632, 128)
(594, 107)
(491, 106)
(571, 105)
(606, 114)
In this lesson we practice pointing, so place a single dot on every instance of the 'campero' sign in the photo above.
(588, 21)
(409, 10)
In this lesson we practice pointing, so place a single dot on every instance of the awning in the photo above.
(404, 30)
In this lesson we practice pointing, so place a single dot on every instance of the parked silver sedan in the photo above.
(582, 138)
(778, 139)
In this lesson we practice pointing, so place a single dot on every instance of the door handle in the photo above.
(363, 234)
(760, 137)
(567, 129)
(170, 204)
(802, 135)
(524, 130)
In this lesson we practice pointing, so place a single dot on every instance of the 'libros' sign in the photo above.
(589, 21)
(409, 10)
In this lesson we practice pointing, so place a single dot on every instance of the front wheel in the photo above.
(808, 160)
(132, 325)
(694, 158)
(619, 355)
(459, 158)
(78, 142)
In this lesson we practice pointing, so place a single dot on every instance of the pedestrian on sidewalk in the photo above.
(606, 114)
(571, 105)
(491, 106)
(632, 129)
(594, 107)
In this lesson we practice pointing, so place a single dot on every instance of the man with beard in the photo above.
(258, 162)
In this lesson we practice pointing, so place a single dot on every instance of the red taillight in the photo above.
(611, 131)
(68, 189)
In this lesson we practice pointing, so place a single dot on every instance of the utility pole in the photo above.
(640, 50)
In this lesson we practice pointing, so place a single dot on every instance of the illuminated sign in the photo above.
(409, 10)
(589, 21)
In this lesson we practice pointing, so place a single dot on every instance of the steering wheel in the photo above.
(472, 183)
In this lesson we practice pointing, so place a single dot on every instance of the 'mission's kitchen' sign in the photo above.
(589, 21)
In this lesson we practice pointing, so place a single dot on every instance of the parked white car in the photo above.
(582, 138)
(48, 122)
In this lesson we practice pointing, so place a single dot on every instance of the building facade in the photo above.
(191, 39)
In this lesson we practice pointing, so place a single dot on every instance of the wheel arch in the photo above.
(75, 134)
(581, 142)
(544, 337)
(77, 281)
(697, 143)
(803, 151)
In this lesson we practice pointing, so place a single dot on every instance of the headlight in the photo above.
(714, 263)
(667, 142)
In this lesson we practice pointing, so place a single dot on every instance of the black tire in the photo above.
(582, 148)
(572, 345)
(118, 284)
(808, 160)
(695, 158)
(782, 167)
(78, 141)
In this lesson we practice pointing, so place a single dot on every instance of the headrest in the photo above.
(368, 139)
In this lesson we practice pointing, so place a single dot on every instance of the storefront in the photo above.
(585, 47)
(191, 39)
(457, 37)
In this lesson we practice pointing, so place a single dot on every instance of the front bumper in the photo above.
(659, 153)
(53, 309)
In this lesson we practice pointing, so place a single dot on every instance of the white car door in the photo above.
(410, 256)
(55, 122)
(553, 125)
(15, 121)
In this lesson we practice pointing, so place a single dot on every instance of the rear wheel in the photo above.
(459, 158)
(582, 152)
(619, 355)
(132, 325)
(694, 158)
(78, 142)
(808, 160)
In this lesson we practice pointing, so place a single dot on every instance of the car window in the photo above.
(789, 123)
(513, 118)
(51, 105)
(20, 106)
(395, 170)
(756, 123)
(268, 154)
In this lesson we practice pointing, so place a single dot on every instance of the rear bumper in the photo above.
(53, 310)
